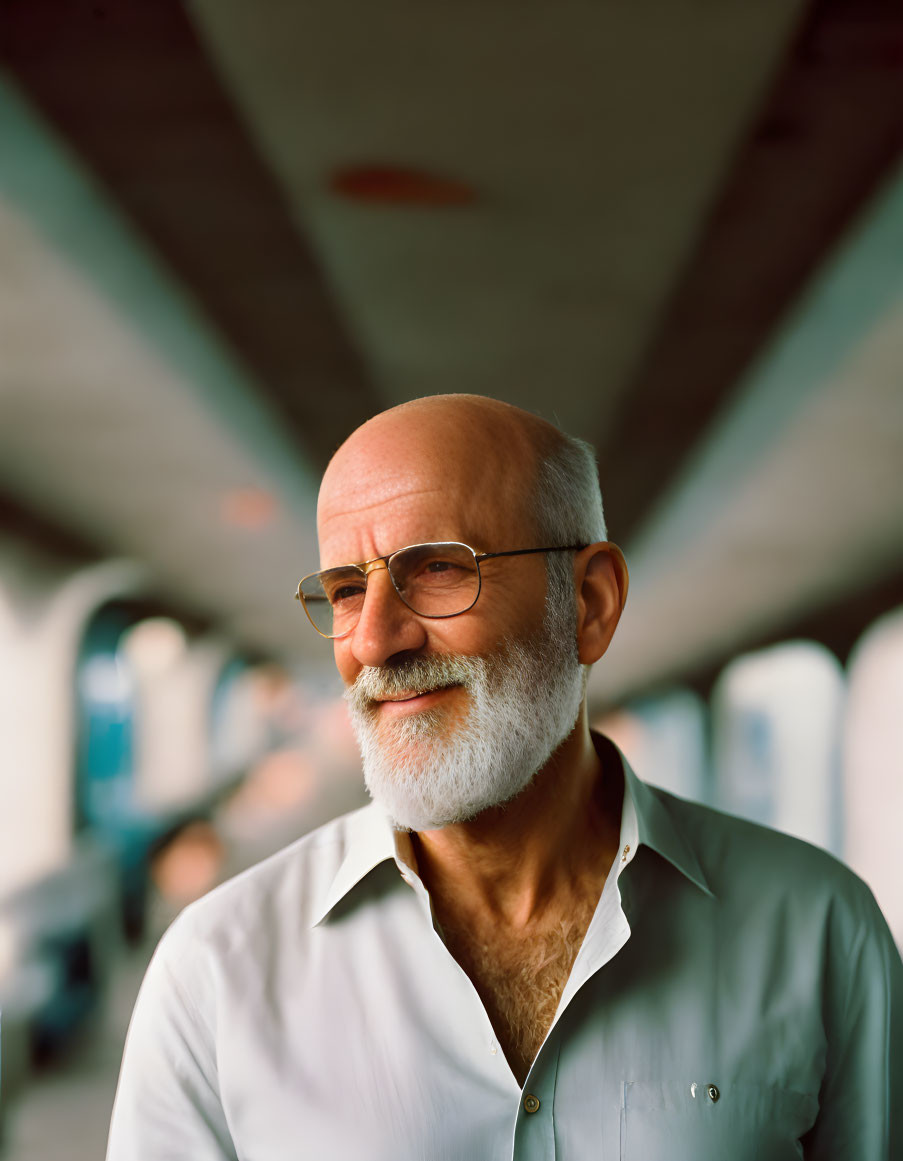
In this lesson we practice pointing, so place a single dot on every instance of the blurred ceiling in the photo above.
(231, 232)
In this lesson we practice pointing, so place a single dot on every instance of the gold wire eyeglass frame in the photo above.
(365, 567)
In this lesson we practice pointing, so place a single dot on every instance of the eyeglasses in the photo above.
(433, 580)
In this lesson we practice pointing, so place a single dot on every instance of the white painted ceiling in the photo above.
(594, 135)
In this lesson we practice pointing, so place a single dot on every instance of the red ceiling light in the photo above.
(389, 186)
(248, 508)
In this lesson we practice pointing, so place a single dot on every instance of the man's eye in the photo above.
(438, 573)
(439, 570)
(346, 593)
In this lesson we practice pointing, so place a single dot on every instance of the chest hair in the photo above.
(520, 976)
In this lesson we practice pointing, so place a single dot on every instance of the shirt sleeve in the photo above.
(167, 1105)
(861, 1101)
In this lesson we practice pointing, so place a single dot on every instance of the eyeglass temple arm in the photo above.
(527, 551)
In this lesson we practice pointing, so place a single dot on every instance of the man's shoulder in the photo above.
(743, 859)
(282, 893)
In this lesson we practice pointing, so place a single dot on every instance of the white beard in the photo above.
(427, 771)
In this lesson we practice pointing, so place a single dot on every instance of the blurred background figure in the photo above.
(229, 233)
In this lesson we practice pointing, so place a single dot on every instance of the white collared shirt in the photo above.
(308, 1010)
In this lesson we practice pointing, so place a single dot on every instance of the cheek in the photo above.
(517, 613)
(481, 632)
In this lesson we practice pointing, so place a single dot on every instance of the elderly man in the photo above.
(518, 950)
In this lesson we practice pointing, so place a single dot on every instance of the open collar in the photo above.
(656, 825)
(371, 838)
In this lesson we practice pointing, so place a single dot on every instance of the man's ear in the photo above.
(600, 575)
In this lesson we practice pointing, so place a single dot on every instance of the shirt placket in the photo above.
(534, 1128)
(609, 930)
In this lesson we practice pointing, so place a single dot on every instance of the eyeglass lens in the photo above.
(434, 580)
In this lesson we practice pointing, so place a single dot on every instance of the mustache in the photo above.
(413, 675)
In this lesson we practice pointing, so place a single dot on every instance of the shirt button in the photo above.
(713, 1093)
(531, 1103)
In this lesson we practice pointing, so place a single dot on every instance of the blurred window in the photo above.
(664, 739)
(105, 718)
(776, 728)
(234, 722)
(873, 765)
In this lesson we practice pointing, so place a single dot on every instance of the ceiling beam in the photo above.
(828, 134)
(130, 87)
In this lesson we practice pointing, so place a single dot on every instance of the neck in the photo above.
(549, 846)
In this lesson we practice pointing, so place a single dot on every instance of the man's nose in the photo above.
(386, 626)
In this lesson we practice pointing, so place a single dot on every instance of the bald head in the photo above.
(474, 415)
(477, 453)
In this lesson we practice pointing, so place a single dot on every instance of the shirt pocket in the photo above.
(711, 1121)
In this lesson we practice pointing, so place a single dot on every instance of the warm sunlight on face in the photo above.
(454, 714)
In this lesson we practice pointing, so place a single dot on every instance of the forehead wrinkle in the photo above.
(354, 509)
(373, 528)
